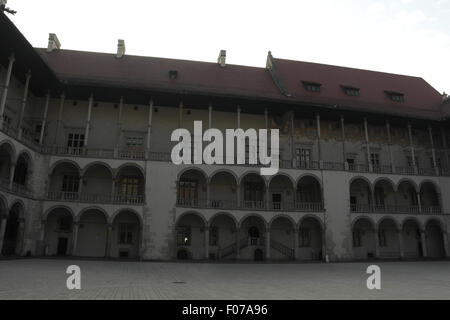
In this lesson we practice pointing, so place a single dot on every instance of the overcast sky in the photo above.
(409, 37)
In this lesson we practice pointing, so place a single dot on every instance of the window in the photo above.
(65, 223)
(187, 191)
(213, 236)
(70, 183)
(306, 194)
(438, 162)
(126, 233)
(6, 120)
(394, 96)
(303, 156)
(184, 236)
(351, 164)
(375, 159)
(75, 140)
(134, 143)
(311, 86)
(37, 132)
(304, 237)
(129, 186)
(350, 91)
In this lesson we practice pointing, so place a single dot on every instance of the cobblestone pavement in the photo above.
(46, 279)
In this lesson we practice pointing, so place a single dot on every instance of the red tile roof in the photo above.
(419, 96)
(153, 73)
(148, 73)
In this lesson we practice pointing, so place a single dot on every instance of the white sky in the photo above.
(409, 37)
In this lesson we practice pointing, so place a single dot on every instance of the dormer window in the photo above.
(312, 86)
(351, 91)
(395, 96)
(173, 74)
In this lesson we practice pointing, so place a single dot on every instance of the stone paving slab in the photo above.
(129, 280)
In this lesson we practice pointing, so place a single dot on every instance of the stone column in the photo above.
(419, 201)
(411, 145)
(20, 237)
(238, 243)
(423, 237)
(268, 243)
(5, 88)
(377, 244)
(400, 243)
(3, 222)
(75, 228)
(444, 144)
(24, 104)
(319, 144)
(444, 239)
(268, 196)
(344, 150)
(12, 171)
(119, 127)
(88, 121)
(366, 134)
(113, 189)
(44, 120)
(295, 234)
(149, 126)
(433, 151)
(208, 192)
(207, 242)
(108, 240)
(238, 196)
(391, 157)
(60, 116)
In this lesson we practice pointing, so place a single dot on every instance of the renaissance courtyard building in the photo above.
(85, 166)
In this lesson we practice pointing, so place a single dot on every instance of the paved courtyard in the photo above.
(46, 279)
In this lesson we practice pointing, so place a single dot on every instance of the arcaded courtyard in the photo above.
(46, 279)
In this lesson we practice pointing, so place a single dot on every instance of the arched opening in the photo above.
(183, 254)
(192, 189)
(251, 236)
(126, 236)
(384, 196)
(282, 240)
(364, 239)
(92, 234)
(281, 193)
(253, 191)
(412, 240)
(64, 182)
(190, 235)
(6, 154)
(435, 240)
(130, 183)
(222, 236)
(388, 239)
(429, 198)
(97, 183)
(21, 171)
(223, 190)
(310, 240)
(13, 238)
(309, 194)
(407, 201)
(360, 196)
(58, 236)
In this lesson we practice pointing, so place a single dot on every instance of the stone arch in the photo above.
(93, 208)
(195, 213)
(311, 175)
(187, 169)
(49, 210)
(410, 182)
(64, 161)
(223, 213)
(219, 171)
(283, 216)
(97, 163)
(118, 170)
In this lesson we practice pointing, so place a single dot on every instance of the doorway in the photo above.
(62, 246)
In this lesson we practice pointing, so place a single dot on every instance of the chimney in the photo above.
(53, 43)
(120, 48)
(222, 58)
